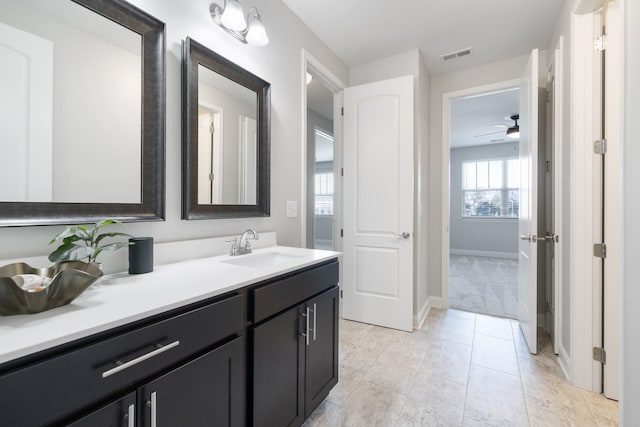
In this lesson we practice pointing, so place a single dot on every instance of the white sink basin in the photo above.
(262, 260)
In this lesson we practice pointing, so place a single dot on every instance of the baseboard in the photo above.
(418, 319)
(438, 302)
(491, 254)
(565, 363)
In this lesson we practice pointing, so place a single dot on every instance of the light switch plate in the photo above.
(292, 209)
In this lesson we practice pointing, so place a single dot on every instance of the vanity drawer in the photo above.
(53, 389)
(276, 296)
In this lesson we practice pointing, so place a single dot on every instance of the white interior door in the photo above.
(378, 203)
(26, 116)
(528, 222)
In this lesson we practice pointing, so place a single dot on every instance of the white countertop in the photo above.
(120, 298)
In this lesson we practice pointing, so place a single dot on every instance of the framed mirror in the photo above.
(225, 137)
(82, 116)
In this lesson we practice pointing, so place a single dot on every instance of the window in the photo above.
(324, 193)
(490, 188)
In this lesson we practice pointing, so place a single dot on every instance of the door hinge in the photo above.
(341, 294)
(600, 43)
(342, 111)
(600, 250)
(210, 177)
(548, 165)
(341, 232)
(600, 355)
(600, 146)
(341, 171)
(212, 128)
(548, 97)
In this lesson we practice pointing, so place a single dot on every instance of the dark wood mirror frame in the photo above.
(195, 54)
(152, 206)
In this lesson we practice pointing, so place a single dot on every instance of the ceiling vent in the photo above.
(455, 55)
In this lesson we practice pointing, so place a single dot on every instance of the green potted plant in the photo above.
(80, 242)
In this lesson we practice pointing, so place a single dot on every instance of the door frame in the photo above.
(447, 98)
(335, 85)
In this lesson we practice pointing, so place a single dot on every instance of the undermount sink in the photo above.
(265, 259)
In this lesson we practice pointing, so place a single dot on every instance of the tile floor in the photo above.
(460, 369)
(484, 285)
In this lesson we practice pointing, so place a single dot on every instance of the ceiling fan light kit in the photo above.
(514, 131)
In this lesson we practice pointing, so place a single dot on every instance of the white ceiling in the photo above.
(481, 120)
(360, 31)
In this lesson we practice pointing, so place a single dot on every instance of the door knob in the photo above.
(527, 237)
(404, 235)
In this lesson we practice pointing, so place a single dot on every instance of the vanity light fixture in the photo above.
(514, 131)
(231, 19)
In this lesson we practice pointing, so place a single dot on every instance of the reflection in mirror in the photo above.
(225, 138)
(68, 75)
(227, 141)
(78, 80)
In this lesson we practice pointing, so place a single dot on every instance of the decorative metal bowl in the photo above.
(43, 288)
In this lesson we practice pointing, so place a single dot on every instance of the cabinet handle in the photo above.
(315, 325)
(306, 333)
(131, 422)
(154, 417)
(120, 366)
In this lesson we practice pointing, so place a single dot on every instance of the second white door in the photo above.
(528, 219)
(379, 203)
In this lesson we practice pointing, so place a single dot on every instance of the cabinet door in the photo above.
(208, 391)
(322, 352)
(277, 371)
(120, 413)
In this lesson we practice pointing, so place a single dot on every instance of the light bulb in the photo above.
(233, 16)
(257, 34)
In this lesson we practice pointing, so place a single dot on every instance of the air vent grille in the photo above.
(454, 55)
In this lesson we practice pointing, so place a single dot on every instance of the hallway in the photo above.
(459, 369)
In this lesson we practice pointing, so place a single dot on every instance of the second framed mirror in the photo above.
(225, 137)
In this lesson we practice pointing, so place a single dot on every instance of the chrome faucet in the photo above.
(242, 246)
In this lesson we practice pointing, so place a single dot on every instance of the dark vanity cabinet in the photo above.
(264, 355)
(185, 367)
(294, 342)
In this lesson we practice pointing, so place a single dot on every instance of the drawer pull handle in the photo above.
(154, 413)
(131, 415)
(306, 333)
(122, 366)
(315, 325)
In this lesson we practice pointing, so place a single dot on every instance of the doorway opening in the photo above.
(322, 156)
(323, 191)
(210, 147)
(484, 203)
(320, 165)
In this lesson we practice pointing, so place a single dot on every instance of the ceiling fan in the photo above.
(502, 126)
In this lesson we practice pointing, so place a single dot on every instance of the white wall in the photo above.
(410, 63)
(630, 295)
(279, 63)
(440, 84)
(479, 234)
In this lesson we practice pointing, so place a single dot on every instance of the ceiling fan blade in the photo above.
(487, 134)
